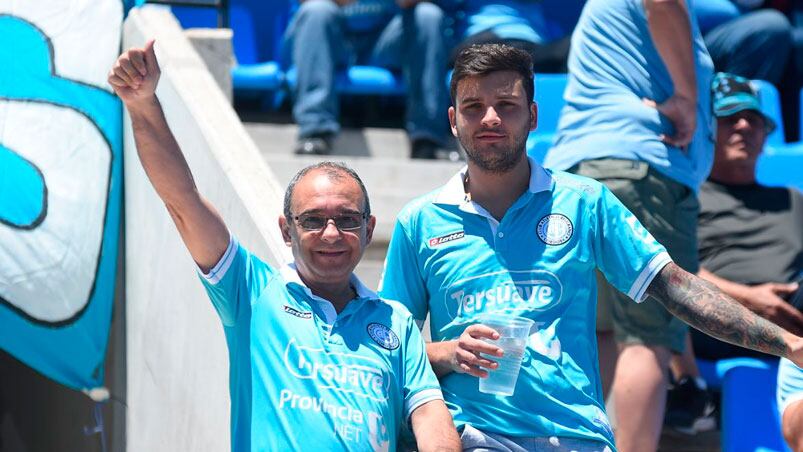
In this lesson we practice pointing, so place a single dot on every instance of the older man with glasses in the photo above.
(311, 349)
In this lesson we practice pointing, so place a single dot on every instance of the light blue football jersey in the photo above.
(450, 257)
(303, 377)
(790, 384)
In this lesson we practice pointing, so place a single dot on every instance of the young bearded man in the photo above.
(507, 235)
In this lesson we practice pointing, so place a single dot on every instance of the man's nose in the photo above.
(330, 232)
(491, 118)
(743, 123)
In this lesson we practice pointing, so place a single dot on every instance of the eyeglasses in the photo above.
(347, 222)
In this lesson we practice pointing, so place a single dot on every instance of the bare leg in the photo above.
(684, 364)
(639, 392)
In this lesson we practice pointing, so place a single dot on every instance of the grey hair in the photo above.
(333, 170)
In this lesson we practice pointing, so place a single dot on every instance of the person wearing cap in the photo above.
(750, 236)
(750, 241)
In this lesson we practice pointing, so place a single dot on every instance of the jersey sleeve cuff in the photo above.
(638, 291)
(797, 397)
(219, 270)
(419, 398)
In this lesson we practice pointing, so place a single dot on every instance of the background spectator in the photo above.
(628, 56)
(541, 28)
(750, 243)
(326, 35)
(750, 239)
(758, 40)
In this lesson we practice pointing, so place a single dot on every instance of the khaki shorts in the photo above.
(669, 211)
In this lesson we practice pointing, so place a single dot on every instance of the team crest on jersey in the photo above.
(297, 313)
(383, 336)
(433, 242)
(555, 229)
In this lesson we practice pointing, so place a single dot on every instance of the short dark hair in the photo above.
(483, 59)
(335, 171)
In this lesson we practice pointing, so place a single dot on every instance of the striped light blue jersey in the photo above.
(450, 258)
(303, 377)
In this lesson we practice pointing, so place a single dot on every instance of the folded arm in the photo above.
(766, 300)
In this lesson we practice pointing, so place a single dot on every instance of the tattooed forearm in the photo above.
(703, 306)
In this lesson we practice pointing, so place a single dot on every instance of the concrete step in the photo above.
(368, 142)
(378, 155)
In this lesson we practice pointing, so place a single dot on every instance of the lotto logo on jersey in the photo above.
(345, 372)
(433, 242)
(504, 290)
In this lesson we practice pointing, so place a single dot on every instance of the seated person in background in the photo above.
(317, 361)
(790, 403)
(745, 40)
(750, 236)
(755, 39)
(541, 28)
(327, 35)
(750, 240)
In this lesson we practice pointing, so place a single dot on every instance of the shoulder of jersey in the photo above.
(414, 207)
(398, 308)
(580, 184)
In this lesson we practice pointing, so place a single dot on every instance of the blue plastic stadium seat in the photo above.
(261, 76)
(771, 104)
(362, 80)
(258, 28)
(781, 166)
(713, 372)
(549, 90)
(750, 418)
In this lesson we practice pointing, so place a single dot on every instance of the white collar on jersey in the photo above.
(454, 192)
(290, 275)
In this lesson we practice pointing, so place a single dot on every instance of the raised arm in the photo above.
(134, 78)
(434, 429)
(670, 29)
(705, 307)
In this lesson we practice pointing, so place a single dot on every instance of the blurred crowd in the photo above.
(753, 39)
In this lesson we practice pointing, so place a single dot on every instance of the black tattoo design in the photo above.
(703, 306)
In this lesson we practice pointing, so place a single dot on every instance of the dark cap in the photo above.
(732, 94)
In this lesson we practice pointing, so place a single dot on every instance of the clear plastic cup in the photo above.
(513, 334)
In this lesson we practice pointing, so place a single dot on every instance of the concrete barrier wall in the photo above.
(177, 362)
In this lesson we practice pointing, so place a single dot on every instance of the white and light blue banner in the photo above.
(60, 184)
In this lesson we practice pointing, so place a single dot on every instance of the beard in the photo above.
(497, 158)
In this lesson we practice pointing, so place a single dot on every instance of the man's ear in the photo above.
(533, 116)
(369, 229)
(284, 226)
(453, 120)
